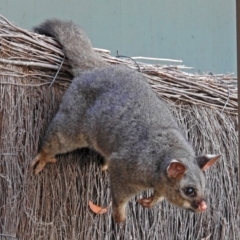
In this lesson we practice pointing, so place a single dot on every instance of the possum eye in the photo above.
(190, 191)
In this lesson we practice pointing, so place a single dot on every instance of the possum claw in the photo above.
(39, 167)
(34, 161)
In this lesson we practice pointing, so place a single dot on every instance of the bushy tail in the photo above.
(75, 43)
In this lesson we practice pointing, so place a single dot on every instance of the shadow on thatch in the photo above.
(54, 205)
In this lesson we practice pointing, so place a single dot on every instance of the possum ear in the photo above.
(206, 161)
(176, 169)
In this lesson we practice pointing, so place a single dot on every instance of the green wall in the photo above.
(202, 33)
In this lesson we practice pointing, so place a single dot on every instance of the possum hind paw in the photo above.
(40, 161)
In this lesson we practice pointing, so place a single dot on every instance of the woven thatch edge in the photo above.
(169, 81)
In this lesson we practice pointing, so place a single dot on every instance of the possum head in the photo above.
(187, 183)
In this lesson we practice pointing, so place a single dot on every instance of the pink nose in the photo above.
(202, 206)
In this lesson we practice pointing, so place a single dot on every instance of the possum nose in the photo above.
(202, 206)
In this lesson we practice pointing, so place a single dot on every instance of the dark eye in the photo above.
(190, 191)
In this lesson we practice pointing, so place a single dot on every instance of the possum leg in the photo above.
(121, 194)
(120, 200)
(56, 142)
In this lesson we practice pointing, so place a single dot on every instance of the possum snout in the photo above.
(202, 206)
(199, 206)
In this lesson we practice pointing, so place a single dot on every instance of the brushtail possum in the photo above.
(113, 110)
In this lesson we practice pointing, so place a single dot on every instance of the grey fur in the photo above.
(113, 110)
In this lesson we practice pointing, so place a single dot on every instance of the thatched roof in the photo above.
(54, 205)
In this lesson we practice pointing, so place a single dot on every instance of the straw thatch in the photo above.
(54, 204)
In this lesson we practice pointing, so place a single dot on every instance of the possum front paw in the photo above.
(119, 212)
(146, 202)
(150, 201)
(41, 160)
(119, 216)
